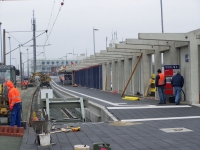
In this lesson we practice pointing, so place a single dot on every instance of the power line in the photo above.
(62, 3)
(24, 31)
(33, 57)
(51, 14)
(14, 38)
(54, 21)
(26, 42)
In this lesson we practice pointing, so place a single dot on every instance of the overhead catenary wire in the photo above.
(48, 28)
(28, 45)
(51, 14)
(33, 57)
(24, 31)
(48, 35)
(54, 21)
(14, 38)
(25, 43)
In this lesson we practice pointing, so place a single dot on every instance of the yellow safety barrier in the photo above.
(133, 98)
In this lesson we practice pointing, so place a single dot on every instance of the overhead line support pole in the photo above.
(4, 46)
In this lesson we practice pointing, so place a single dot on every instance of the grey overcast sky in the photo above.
(74, 26)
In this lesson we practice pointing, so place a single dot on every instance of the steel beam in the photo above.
(59, 103)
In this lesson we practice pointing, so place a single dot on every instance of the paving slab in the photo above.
(146, 135)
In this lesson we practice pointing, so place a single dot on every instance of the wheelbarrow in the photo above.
(42, 130)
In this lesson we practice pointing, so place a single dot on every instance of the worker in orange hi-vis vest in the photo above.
(160, 84)
(14, 103)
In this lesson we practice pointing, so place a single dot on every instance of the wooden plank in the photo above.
(147, 89)
(131, 75)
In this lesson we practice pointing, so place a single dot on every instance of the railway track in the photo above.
(58, 114)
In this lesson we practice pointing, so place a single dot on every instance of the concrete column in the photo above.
(194, 71)
(130, 70)
(146, 71)
(157, 61)
(135, 78)
(170, 57)
(114, 79)
(104, 76)
(120, 76)
(117, 76)
(108, 73)
(173, 54)
(157, 65)
(127, 75)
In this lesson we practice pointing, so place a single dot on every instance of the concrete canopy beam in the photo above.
(142, 47)
(116, 53)
(102, 59)
(166, 36)
(147, 42)
(127, 46)
(155, 42)
(132, 51)
(181, 44)
(107, 55)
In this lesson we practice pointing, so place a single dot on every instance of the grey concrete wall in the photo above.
(108, 74)
(114, 76)
(117, 75)
(146, 71)
(104, 76)
(127, 75)
(193, 69)
(130, 71)
(184, 67)
(166, 60)
(135, 77)
(120, 76)
(98, 113)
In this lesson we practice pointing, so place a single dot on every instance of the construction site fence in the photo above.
(89, 77)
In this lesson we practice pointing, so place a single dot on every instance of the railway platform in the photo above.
(141, 125)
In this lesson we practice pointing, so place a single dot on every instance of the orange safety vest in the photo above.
(161, 81)
(14, 96)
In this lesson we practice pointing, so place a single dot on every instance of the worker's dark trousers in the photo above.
(15, 115)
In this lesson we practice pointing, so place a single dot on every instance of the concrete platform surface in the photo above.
(146, 133)
(14, 143)
(139, 136)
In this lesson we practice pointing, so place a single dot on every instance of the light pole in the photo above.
(94, 38)
(1, 44)
(161, 16)
(10, 50)
(106, 42)
(15, 62)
